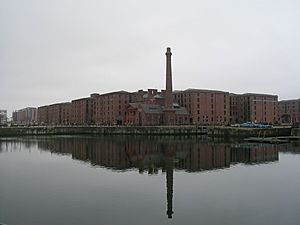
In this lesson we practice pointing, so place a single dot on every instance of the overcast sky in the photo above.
(55, 51)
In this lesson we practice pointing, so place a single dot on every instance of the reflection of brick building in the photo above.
(206, 156)
(289, 111)
(257, 153)
(123, 152)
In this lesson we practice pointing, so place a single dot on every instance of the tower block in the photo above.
(169, 111)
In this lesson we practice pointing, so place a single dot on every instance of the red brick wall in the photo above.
(204, 106)
(83, 111)
(259, 108)
(42, 115)
(289, 111)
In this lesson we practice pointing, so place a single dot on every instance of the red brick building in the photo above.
(191, 106)
(158, 108)
(153, 114)
(235, 105)
(65, 113)
(205, 107)
(289, 111)
(83, 110)
(55, 114)
(111, 107)
(42, 115)
(260, 108)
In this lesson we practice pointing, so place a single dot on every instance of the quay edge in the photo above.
(211, 131)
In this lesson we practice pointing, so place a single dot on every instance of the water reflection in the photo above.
(150, 154)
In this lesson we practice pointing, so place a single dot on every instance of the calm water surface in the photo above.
(123, 180)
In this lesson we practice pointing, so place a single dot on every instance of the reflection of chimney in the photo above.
(169, 174)
(169, 89)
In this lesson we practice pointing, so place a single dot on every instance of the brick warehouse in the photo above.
(261, 108)
(111, 107)
(153, 107)
(158, 108)
(289, 111)
(205, 106)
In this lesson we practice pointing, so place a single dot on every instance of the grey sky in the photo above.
(55, 51)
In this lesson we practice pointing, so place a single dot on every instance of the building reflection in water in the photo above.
(151, 154)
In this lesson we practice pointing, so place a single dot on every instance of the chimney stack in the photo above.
(169, 89)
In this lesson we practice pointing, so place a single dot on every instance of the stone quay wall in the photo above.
(239, 132)
(103, 130)
(296, 132)
(212, 131)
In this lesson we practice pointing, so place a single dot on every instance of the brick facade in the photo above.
(289, 111)
(111, 107)
(205, 107)
(55, 114)
(42, 115)
(83, 111)
(260, 108)
(191, 106)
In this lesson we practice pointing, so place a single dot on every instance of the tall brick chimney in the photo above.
(169, 89)
(169, 111)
